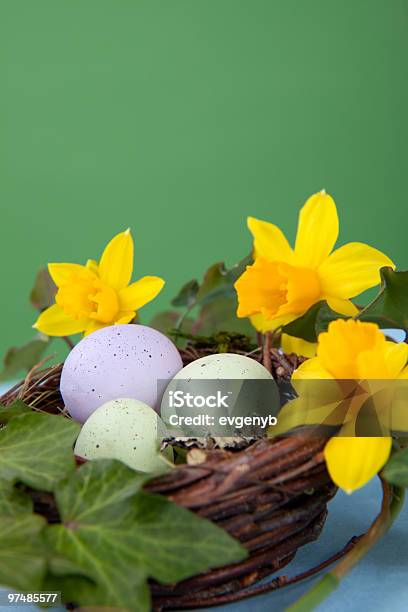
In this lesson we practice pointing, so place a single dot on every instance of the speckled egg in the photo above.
(224, 366)
(124, 429)
(118, 361)
(247, 387)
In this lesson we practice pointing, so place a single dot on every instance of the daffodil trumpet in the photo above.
(95, 295)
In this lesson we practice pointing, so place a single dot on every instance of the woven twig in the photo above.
(271, 496)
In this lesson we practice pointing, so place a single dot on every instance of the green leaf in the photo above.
(120, 536)
(396, 470)
(13, 501)
(219, 281)
(187, 294)
(43, 293)
(305, 326)
(17, 408)
(390, 308)
(324, 316)
(36, 449)
(23, 357)
(22, 558)
(221, 315)
(166, 322)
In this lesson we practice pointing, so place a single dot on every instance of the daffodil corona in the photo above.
(98, 294)
(283, 283)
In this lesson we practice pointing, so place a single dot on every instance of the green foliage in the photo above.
(36, 448)
(112, 536)
(15, 409)
(119, 536)
(23, 357)
(12, 500)
(22, 554)
(214, 301)
(43, 292)
(305, 326)
(396, 470)
(390, 308)
(187, 295)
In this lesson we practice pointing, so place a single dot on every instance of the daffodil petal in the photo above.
(92, 326)
(92, 265)
(352, 462)
(263, 324)
(269, 241)
(140, 293)
(116, 264)
(54, 322)
(342, 306)
(62, 272)
(352, 269)
(125, 317)
(318, 230)
(311, 369)
(404, 373)
(396, 358)
(290, 344)
(300, 412)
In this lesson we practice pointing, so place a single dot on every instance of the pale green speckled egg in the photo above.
(125, 429)
(224, 366)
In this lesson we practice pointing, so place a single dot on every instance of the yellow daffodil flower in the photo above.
(98, 294)
(283, 283)
(353, 350)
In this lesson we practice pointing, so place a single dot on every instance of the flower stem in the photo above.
(266, 359)
(68, 341)
(392, 502)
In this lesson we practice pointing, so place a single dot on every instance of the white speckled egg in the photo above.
(118, 361)
(124, 429)
(247, 386)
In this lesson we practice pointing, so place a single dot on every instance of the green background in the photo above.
(181, 117)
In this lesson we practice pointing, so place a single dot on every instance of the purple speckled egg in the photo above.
(132, 361)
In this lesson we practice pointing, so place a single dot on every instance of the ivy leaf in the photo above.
(305, 326)
(396, 470)
(120, 536)
(23, 357)
(22, 558)
(219, 281)
(324, 316)
(187, 294)
(166, 322)
(13, 501)
(390, 308)
(43, 293)
(221, 315)
(17, 408)
(36, 449)
(216, 282)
